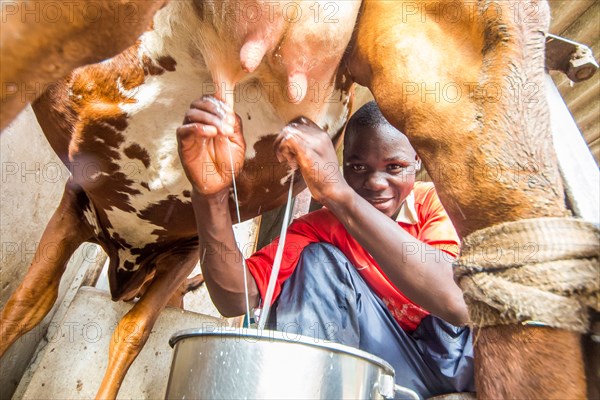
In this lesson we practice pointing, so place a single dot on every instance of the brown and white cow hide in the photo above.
(43, 41)
(118, 137)
(113, 125)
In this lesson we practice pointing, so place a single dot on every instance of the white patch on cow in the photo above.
(336, 115)
(160, 104)
(124, 92)
(96, 175)
(124, 256)
(264, 120)
(90, 217)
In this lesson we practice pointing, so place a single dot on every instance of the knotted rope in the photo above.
(544, 270)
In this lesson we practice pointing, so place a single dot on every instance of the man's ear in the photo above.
(418, 164)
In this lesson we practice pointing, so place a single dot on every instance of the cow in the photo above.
(46, 41)
(113, 125)
(473, 132)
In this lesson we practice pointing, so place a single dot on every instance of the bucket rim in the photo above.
(270, 335)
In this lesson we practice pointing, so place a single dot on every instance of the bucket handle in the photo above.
(405, 393)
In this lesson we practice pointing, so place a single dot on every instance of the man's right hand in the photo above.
(303, 144)
(209, 128)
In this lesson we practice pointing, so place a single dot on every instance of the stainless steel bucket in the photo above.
(246, 363)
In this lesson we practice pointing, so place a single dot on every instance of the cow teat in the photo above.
(251, 54)
(297, 86)
(262, 27)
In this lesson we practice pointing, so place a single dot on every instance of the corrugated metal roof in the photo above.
(579, 20)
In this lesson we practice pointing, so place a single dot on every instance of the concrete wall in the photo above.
(32, 180)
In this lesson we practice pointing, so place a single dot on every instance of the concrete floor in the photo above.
(72, 362)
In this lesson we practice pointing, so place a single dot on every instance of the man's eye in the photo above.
(396, 167)
(357, 168)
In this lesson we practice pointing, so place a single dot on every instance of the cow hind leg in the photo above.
(187, 286)
(460, 135)
(134, 328)
(531, 357)
(36, 295)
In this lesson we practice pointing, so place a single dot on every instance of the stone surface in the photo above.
(32, 181)
(73, 362)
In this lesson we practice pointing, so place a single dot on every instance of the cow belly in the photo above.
(123, 151)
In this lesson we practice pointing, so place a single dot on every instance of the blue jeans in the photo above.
(327, 299)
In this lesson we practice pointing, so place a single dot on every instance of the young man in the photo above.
(363, 270)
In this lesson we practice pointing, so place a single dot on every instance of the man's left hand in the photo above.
(306, 146)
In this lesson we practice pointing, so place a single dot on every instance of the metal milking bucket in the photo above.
(252, 364)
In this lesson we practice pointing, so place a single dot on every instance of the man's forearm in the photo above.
(220, 258)
(423, 274)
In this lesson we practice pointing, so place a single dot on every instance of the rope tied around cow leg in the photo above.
(544, 269)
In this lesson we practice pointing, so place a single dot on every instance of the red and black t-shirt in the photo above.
(432, 226)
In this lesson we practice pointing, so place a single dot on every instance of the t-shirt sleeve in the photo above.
(302, 232)
(437, 229)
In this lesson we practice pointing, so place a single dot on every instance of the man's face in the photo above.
(379, 165)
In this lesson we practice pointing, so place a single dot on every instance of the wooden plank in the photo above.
(595, 142)
(301, 204)
(591, 131)
(582, 92)
(564, 12)
(95, 269)
(585, 28)
(560, 79)
(595, 148)
(587, 113)
(270, 224)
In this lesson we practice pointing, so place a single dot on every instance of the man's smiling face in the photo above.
(379, 164)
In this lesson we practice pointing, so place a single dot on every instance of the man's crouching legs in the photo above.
(327, 299)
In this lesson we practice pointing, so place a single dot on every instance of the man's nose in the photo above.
(376, 182)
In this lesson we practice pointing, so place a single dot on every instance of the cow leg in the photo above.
(134, 328)
(36, 295)
(468, 91)
(466, 85)
(29, 48)
(512, 360)
(189, 285)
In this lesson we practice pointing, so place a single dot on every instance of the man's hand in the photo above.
(306, 146)
(209, 128)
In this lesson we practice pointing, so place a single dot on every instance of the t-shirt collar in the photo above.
(408, 214)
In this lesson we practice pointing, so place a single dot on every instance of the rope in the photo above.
(544, 270)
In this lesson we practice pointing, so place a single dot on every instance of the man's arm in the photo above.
(221, 260)
(425, 276)
(209, 131)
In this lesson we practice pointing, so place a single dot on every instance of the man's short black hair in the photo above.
(368, 116)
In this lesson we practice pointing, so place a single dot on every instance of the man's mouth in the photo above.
(380, 202)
